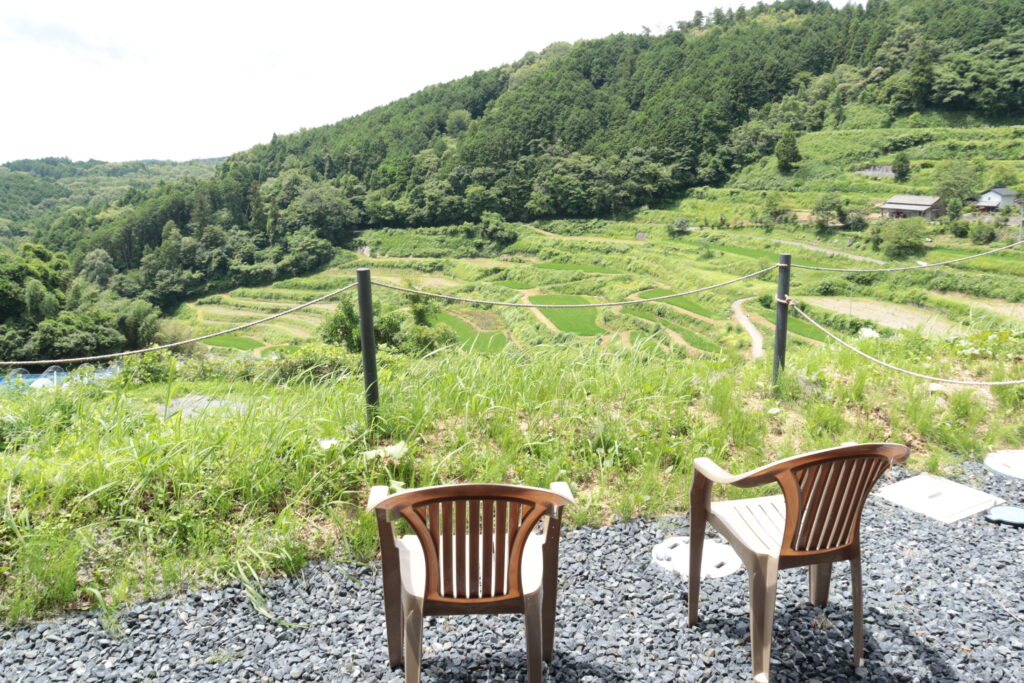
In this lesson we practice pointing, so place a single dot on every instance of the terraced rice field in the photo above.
(581, 321)
(582, 267)
(471, 338)
(235, 342)
(579, 267)
(687, 303)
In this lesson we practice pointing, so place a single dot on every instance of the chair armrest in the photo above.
(712, 472)
(377, 494)
(562, 489)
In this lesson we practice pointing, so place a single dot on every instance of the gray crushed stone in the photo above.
(942, 603)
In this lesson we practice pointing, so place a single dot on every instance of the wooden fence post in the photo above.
(781, 317)
(368, 343)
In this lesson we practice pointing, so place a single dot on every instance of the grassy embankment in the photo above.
(146, 505)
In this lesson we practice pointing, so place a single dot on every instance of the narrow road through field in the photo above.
(826, 250)
(756, 339)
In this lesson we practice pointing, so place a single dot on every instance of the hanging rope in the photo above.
(893, 270)
(964, 382)
(465, 300)
(109, 356)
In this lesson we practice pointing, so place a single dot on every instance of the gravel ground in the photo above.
(942, 603)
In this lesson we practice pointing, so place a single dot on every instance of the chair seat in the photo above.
(414, 571)
(754, 523)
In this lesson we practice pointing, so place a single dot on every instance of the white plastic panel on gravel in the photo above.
(719, 559)
(1010, 463)
(938, 497)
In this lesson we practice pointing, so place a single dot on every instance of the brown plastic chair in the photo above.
(474, 552)
(815, 522)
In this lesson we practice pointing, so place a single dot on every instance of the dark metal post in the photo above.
(368, 342)
(781, 317)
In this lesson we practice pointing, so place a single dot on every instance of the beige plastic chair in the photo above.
(815, 522)
(474, 552)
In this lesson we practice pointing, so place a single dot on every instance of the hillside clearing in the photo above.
(887, 314)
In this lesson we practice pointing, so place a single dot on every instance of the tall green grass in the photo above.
(107, 498)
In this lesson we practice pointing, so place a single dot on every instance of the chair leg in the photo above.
(696, 553)
(858, 612)
(764, 576)
(532, 608)
(393, 609)
(550, 590)
(412, 617)
(818, 578)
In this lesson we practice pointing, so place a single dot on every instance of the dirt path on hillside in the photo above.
(895, 316)
(527, 293)
(756, 338)
(826, 250)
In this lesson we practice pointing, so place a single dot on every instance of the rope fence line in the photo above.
(918, 267)
(965, 382)
(237, 328)
(511, 304)
(122, 354)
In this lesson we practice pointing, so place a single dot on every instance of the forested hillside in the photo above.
(33, 192)
(591, 129)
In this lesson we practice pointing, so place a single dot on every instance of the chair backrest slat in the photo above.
(447, 550)
(487, 576)
(460, 549)
(434, 515)
(840, 527)
(834, 483)
(514, 510)
(474, 549)
(500, 525)
(810, 490)
(474, 535)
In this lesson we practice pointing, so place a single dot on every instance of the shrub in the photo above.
(982, 233)
(898, 238)
(959, 228)
(144, 368)
(831, 287)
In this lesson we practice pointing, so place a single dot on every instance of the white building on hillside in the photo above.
(996, 198)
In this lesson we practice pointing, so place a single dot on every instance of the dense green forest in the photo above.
(595, 128)
(47, 313)
(33, 192)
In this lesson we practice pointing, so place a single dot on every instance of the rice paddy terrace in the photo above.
(587, 261)
(619, 261)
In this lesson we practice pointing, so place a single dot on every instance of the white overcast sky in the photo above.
(117, 80)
